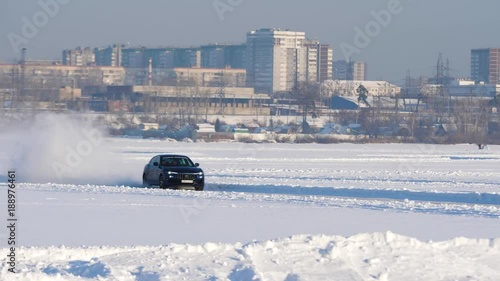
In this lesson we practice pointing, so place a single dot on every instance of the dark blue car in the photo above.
(174, 172)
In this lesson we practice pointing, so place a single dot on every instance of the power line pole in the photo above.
(23, 71)
(21, 80)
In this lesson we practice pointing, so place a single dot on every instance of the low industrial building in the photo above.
(46, 75)
(348, 88)
(40, 99)
(190, 101)
(187, 76)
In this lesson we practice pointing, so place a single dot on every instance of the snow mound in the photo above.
(376, 256)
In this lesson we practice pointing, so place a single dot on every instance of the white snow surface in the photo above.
(269, 212)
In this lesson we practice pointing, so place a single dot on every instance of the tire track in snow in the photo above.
(215, 193)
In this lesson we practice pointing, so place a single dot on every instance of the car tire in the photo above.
(145, 183)
(199, 188)
(161, 182)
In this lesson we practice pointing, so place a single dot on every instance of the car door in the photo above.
(153, 170)
(147, 170)
(157, 170)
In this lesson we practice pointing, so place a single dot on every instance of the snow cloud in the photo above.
(59, 148)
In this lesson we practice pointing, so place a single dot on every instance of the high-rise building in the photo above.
(137, 60)
(359, 70)
(325, 65)
(47, 75)
(78, 57)
(319, 62)
(134, 58)
(109, 56)
(212, 56)
(223, 56)
(312, 62)
(276, 59)
(187, 57)
(342, 70)
(139, 57)
(160, 57)
(235, 56)
(495, 66)
(350, 70)
(485, 65)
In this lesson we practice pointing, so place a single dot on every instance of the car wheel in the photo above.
(161, 182)
(145, 182)
(199, 188)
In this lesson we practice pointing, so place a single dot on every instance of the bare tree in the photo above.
(306, 95)
(471, 119)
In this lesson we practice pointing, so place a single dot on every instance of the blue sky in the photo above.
(412, 39)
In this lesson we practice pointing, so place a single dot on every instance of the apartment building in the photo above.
(360, 70)
(277, 59)
(79, 57)
(485, 65)
(223, 56)
(350, 70)
(319, 62)
(211, 77)
(44, 75)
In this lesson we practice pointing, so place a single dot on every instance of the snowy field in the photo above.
(269, 212)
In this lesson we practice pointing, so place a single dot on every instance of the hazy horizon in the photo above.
(412, 39)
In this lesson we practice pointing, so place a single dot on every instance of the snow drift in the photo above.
(377, 256)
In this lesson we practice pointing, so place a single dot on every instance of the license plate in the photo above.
(187, 181)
